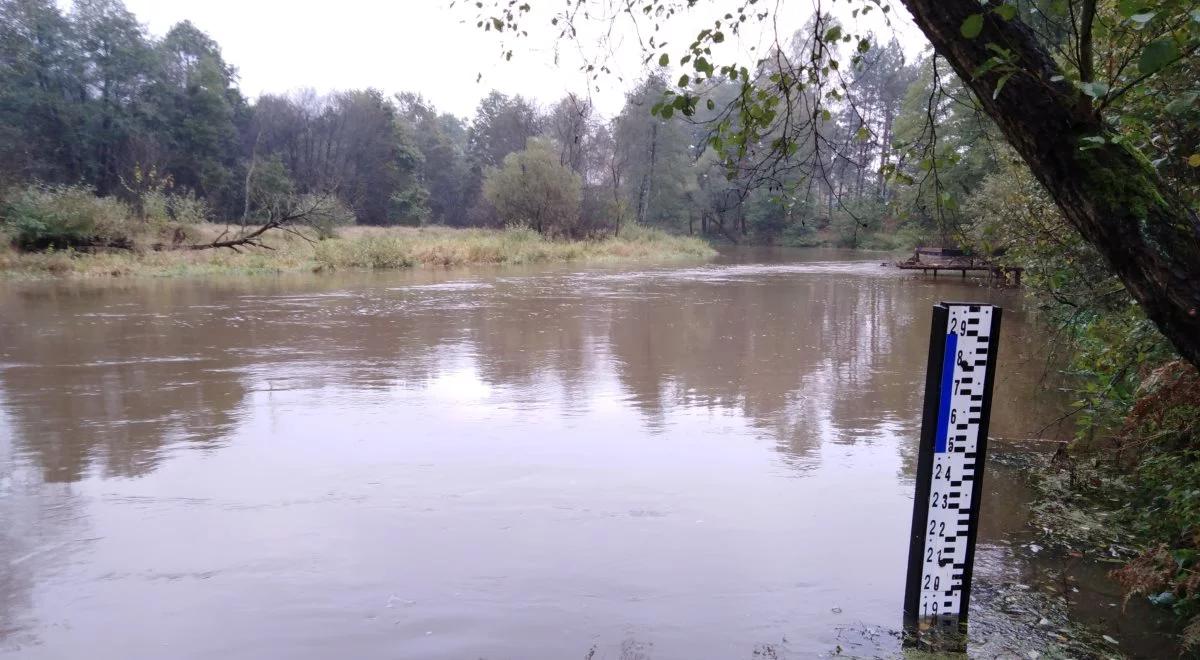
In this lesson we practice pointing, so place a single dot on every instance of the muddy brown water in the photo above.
(707, 460)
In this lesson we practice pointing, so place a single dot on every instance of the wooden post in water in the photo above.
(963, 343)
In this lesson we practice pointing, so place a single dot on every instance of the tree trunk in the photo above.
(1110, 193)
(250, 178)
(1087, 69)
(647, 178)
(884, 155)
(721, 228)
(615, 177)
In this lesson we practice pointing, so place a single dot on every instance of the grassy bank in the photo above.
(352, 248)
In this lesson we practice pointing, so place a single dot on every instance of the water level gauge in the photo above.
(958, 401)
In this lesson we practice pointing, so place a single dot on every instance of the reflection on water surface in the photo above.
(672, 462)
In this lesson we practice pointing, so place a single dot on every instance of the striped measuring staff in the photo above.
(958, 398)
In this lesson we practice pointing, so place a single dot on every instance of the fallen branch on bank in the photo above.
(309, 211)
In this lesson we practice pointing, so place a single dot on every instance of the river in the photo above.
(690, 461)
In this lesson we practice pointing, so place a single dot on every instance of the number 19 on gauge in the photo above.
(958, 401)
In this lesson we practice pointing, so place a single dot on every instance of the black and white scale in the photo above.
(958, 398)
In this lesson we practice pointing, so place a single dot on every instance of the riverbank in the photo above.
(1090, 512)
(352, 248)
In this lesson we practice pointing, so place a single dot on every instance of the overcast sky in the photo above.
(428, 47)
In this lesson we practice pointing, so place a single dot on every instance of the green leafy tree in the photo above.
(502, 124)
(377, 161)
(194, 103)
(40, 106)
(270, 189)
(354, 144)
(444, 171)
(944, 147)
(570, 125)
(657, 156)
(117, 61)
(531, 188)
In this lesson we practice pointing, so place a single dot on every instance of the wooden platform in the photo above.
(934, 260)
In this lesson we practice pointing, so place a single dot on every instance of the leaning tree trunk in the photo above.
(1110, 193)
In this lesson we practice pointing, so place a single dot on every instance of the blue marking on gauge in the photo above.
(948, 361)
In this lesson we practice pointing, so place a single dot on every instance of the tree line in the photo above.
(88, 97)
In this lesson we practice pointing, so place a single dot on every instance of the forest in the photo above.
(89, 99)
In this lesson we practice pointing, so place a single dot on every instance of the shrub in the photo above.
(409, 206)
(165, 207)
(40, 217)
(531, 188)
(323, 213)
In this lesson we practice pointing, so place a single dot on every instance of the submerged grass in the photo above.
(355, 248)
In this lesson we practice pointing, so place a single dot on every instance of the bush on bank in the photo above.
(39, 217)
(1161, 440)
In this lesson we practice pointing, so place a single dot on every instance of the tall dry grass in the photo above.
(362, 247)
(354, 248)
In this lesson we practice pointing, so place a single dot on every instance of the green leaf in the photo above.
(684, 80)
(862, 135)
(948, 200)
(972, 26)
(1095, 90)
(991, 63)
(718, 37)
(711, 104)
(1128, 8)
(1182, 104)
(664, 59)
(1157, 54)
(1007, 12)
(1000, 84)
(1143, 18)
(833, 34)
